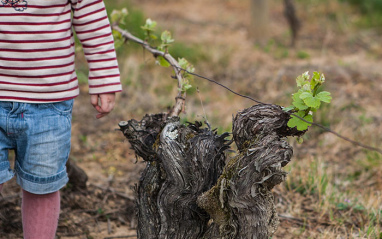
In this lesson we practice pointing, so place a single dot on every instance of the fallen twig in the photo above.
(112, 190)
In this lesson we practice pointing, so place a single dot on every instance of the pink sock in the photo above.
(40, 215)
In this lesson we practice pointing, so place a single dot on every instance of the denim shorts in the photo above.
(40, 136)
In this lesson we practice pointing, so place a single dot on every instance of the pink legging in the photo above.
(40, 214)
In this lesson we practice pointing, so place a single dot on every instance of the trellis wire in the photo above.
(312, 123)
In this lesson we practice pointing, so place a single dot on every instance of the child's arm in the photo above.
(93, 29)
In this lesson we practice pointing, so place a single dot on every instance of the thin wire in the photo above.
(312, 123)
(215, 82)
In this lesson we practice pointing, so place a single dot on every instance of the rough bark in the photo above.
(77, 176)
(183, 162)
(187, 190)
(241, 203)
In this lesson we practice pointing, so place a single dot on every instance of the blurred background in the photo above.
(333, 189)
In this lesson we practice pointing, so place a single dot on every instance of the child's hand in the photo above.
(103, 103)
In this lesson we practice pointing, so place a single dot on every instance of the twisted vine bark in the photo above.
(189, 191)
(77, 176)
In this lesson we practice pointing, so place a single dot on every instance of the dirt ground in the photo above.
(350, 59)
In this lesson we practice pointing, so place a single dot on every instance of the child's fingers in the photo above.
(103, 103)
(94, 100)
(107, 102)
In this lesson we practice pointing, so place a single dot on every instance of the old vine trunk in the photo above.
(190, 190)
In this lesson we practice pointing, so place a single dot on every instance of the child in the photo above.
(37, 87)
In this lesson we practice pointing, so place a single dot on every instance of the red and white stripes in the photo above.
(37, 50)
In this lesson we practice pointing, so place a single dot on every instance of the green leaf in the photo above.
(166, 37)
(315, 80)
(296, 122)
(150, 25)
(118, 39)
(187, 87)
(307, 99)
(153, 36)
(324, 96)
(163, 61)
(161, 48)
(298, 102)
(310, 100)
(322, 78)
(119, 15)
(289, 108)
(115, 16)
(183, 63)
(303, 79)
(300, 140)
(116, 34)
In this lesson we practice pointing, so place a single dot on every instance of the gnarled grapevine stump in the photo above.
(189, 191)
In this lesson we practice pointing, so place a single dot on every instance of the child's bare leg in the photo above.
(40, 215)
(1, 187)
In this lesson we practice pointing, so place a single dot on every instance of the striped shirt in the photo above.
(37, 49)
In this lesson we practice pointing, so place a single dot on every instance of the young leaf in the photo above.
(298, 102)
(187, 87)
(163, 61)
(150, 25)
(289, 108)
(324, 96)
(310, 100)
(300, 140)
(166, 37)
(315, 80)
(303, 79)
(153, 37)
(119, 15)
(322, 79)
(307, 99)
(115, 16)
(118, 39)
(183, 63)
(149, 28)
(116, 34)
(296, 122)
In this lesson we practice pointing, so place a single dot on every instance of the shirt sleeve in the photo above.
(92, 27)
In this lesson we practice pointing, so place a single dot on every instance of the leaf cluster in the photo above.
(119, 17)
(184, 64)
(307, 99)
(166, 41)
(149, 29)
